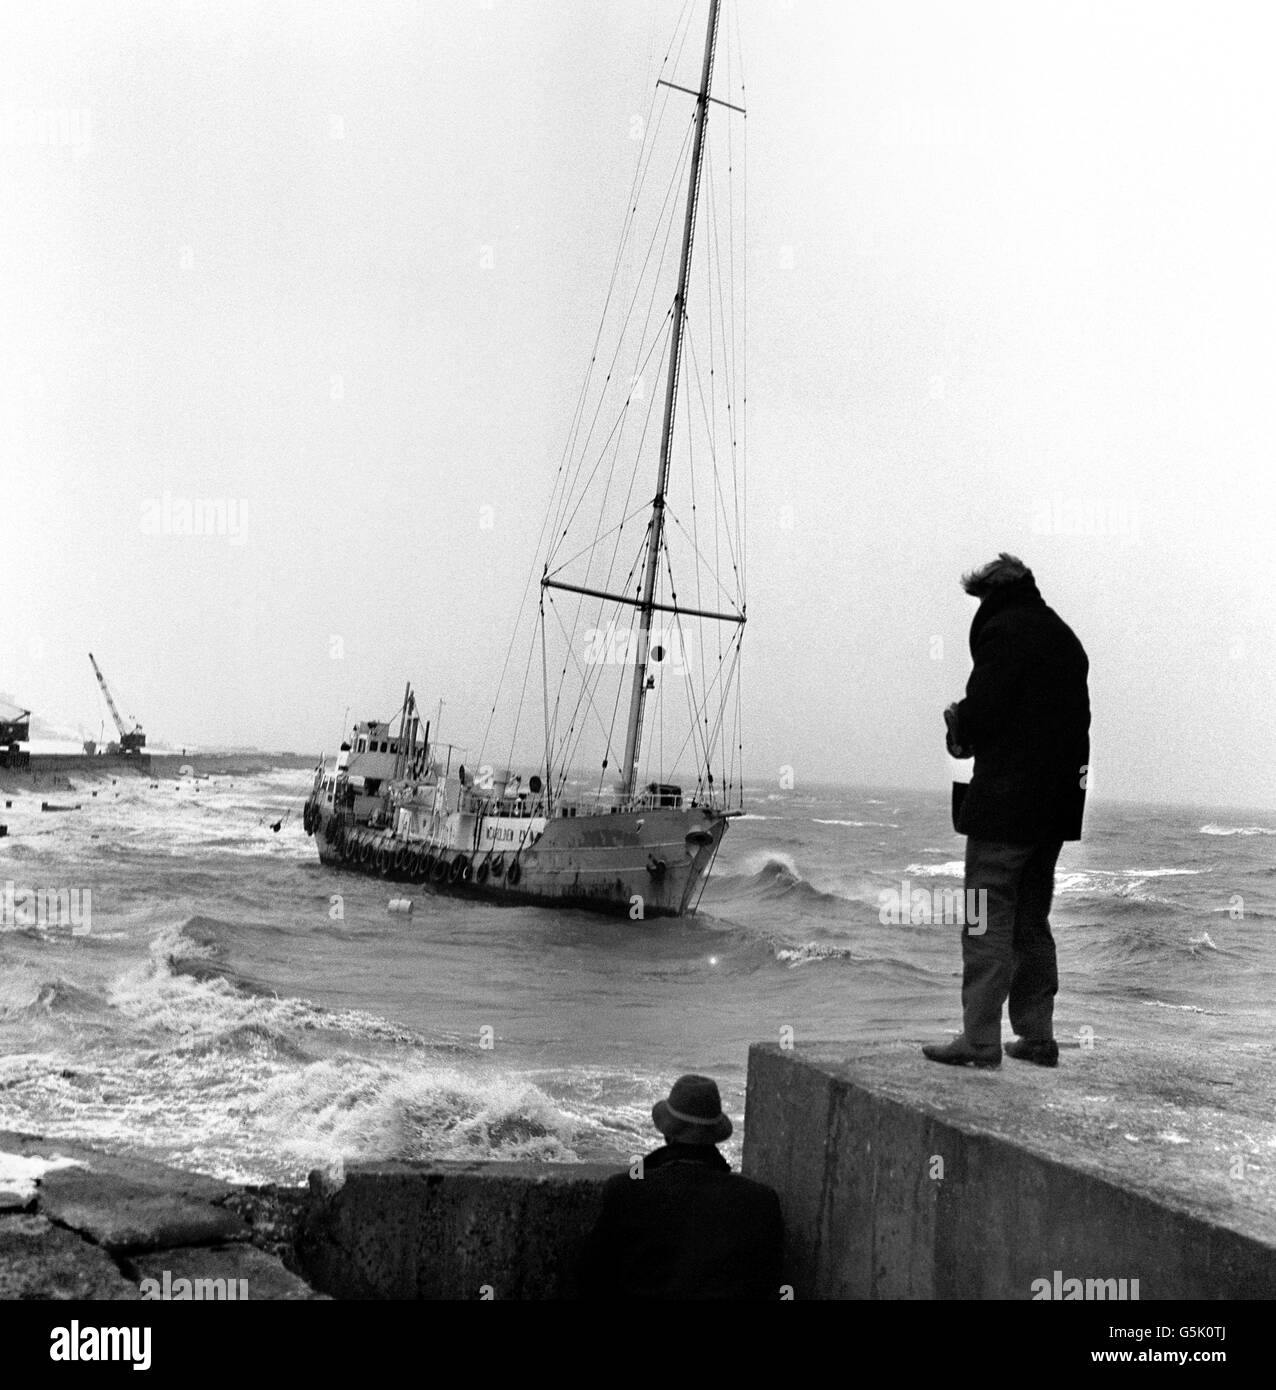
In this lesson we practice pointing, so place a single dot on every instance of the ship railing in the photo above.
(607, 803)
(480, 803)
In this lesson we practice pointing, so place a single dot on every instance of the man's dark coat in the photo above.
(1027, 717)
(688, 1228)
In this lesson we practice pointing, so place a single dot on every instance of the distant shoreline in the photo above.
(57, 769)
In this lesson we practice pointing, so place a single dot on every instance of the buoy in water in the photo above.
(399, 905)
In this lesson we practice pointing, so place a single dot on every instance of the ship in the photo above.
(570, 830)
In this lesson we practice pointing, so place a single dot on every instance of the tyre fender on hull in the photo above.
(513, 874)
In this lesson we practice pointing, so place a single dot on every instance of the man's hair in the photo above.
(1005, 569)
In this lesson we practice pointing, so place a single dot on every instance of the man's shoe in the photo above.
(960, 1053)
(1044, 1053)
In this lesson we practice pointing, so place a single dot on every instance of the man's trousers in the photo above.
(1013, 957)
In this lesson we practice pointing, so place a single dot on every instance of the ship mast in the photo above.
(655, 531)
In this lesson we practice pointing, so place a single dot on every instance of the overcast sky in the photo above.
(339, 266)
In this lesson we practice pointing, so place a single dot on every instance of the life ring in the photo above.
(513, 873)
(456, 868)
(439, 872)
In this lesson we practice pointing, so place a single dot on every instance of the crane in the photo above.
(131, 740)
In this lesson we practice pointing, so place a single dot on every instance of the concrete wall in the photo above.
(902, 1179)
(450, 1230)
(899, 1179)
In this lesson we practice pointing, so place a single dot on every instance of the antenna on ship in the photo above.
(646, 602)
(647, 605)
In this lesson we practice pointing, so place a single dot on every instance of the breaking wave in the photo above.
(356, 1108)
(953, 868)
(860, 824)
(188, 990)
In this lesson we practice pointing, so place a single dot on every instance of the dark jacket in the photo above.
(688, 1228)
(1026, 715)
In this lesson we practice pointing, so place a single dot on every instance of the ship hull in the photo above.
(637, 864)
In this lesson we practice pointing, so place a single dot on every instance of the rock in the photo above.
(135, 1213)
(19, 1174)
(40, 1261)
(220, 1272)
(195, 1185)
(274, 1215)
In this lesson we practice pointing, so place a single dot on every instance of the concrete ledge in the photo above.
(903, 1179)
(451, 1230)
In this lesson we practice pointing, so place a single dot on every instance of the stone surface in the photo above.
(274, 1215)
(38, 1260)
(451, 1230)
(125, 1213)
(900, 1178)
(221, 1272)
(123, 1203)
(142, 1170)
(19, 1174)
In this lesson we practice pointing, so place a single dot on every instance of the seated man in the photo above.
(680, 1223)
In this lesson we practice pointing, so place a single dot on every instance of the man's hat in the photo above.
(693, 1113)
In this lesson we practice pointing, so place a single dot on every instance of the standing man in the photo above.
(680, 1223)
(1026, 722)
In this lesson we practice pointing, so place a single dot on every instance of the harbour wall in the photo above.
(1124, 1174)
(1137, 1172)
(898, 1179)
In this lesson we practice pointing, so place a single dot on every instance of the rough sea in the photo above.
(230, 1005)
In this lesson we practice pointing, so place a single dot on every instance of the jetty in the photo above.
(1128, 1172)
